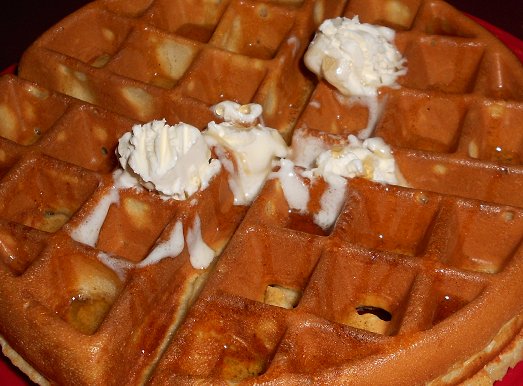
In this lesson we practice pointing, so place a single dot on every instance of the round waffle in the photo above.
(413, 284)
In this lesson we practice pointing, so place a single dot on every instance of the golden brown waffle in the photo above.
(410, 286)
(54, 283)
(150, 59)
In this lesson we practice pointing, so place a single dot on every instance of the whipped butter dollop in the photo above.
(371, 159)
(357, 58)
(247, 149)
(173, 160)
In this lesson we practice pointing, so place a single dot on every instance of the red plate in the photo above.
(510, 41)
(11, 376)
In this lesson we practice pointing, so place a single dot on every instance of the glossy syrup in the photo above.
(304, 223)
(447, 306)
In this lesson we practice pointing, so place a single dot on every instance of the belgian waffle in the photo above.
(412, 284)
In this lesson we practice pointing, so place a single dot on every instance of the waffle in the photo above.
(412, 284)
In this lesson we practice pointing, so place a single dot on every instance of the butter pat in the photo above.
(173, 160)
(248, 151)
(356, 58)
(234, 112)
(371, 159)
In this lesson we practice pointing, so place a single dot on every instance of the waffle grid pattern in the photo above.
(164, 59)
(398, 262)
(49, 188)
(459, 103)
(399, 274)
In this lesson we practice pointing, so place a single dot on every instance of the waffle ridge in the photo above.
(410, 285)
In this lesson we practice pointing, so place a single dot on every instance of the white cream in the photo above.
(356, 58)
(88, 231)
(173, 160)
(306, 148)
(294, 189)
(171, 247)
(231, 111)
(122, 179)
(201, 255)
(374, 109)
(254, 149)
(297, 193)
(371, 159)
(295, 43)
(119, 266)
(330, 203)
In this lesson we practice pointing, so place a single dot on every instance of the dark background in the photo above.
(22, 21)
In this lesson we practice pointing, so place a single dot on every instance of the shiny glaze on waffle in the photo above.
(412, 284)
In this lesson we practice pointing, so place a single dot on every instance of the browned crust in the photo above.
(509, 342)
